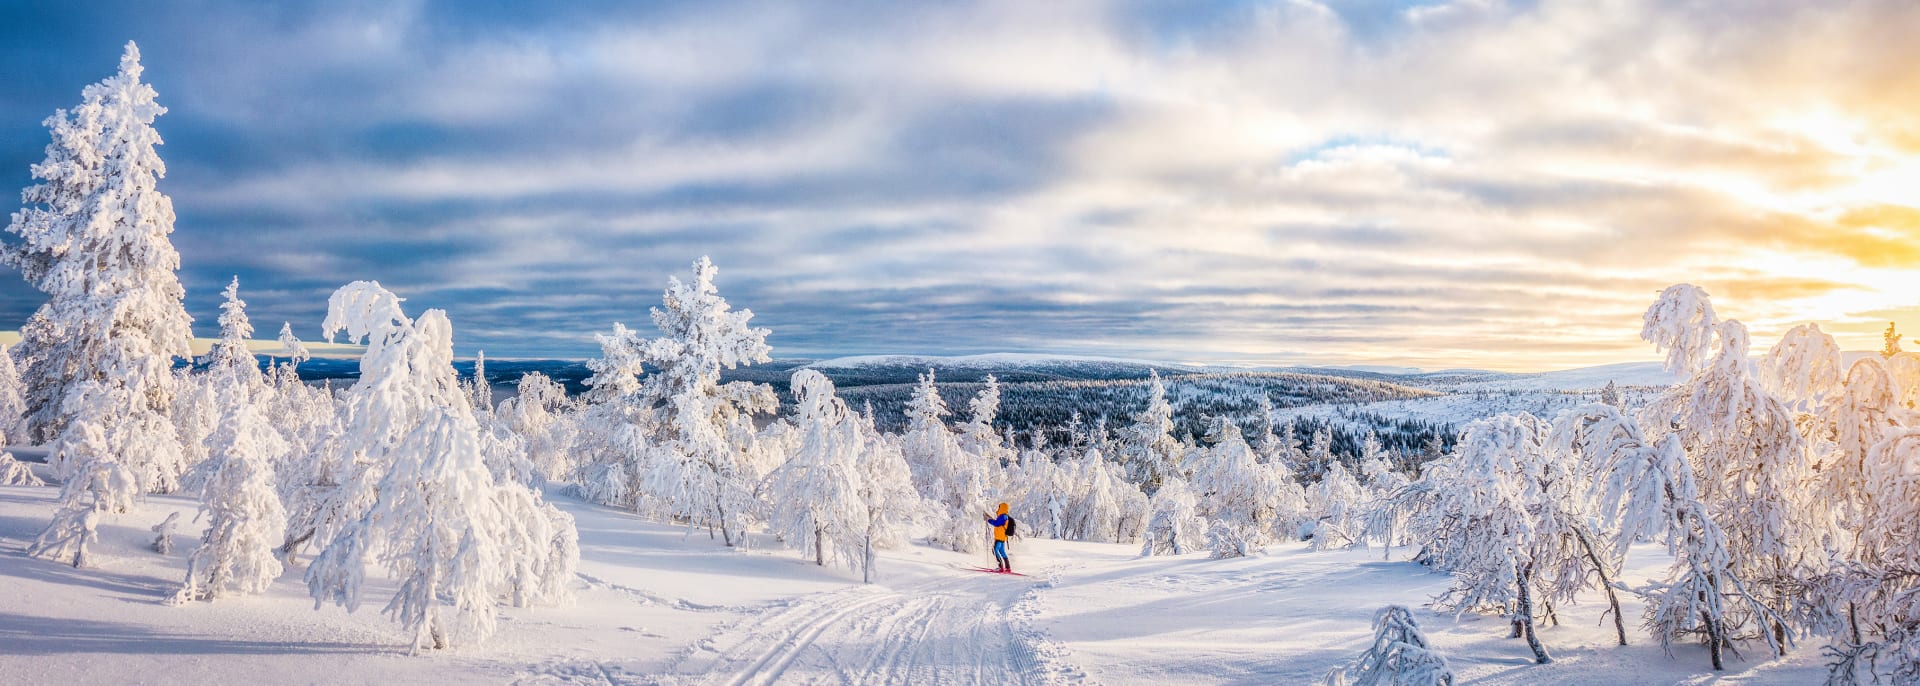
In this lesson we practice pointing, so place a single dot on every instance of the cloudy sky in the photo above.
(1490, 184)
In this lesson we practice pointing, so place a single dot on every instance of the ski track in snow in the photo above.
(950, 629)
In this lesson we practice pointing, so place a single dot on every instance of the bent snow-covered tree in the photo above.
(1483, 521)
(419, 499)
(97, 355)
(1749, 459)
(816, 495)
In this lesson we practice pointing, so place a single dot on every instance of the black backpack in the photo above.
(1010, 524)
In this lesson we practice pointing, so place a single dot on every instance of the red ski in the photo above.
(994, 571)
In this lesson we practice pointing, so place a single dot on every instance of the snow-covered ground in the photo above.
(655, 604)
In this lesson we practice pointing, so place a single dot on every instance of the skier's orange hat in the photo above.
(1003, 508)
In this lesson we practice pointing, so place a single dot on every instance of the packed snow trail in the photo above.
(953, 628)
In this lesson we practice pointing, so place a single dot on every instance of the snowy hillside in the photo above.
(657, 605)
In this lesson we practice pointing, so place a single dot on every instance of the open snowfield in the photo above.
(655, 604)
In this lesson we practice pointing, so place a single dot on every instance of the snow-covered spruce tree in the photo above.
(479, 388)
(94, 238)
(1891, 342)
(194, 411)
(1236, 494)
(1287, 449)
(200, 400)
(544, 417)
(815, 496)
(953, 480)
(1042, 492)
(1319, 454)
(291, 347)
(1749, 459)
(1175, 527)
(1610, 395)
(1400, 655)
(678, 436)
(247, 520)
(97, 355)
(1647, 491)
(419, 498)
(978, 436)
(1147, 447)
(886, 491)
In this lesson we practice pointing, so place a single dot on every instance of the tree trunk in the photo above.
(819, 549)
(1525, 618)
(1713, 639)
(1619, 626)
(1853, 622)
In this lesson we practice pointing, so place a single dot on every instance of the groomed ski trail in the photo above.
(959, 628)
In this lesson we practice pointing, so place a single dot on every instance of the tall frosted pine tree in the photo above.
(97, 355)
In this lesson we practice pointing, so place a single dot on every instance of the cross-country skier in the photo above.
(999, 525)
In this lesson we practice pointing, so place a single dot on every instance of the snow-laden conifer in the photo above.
(978, 436)
(952, 480)
(246, 519)
(97, 355)
(479, 388)
(1102, 501)
(94, 238)
(12, 424)
(1147, 446)
(1043, 493)
(677, 436)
